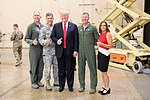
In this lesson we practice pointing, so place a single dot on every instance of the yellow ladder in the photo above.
(139, 19)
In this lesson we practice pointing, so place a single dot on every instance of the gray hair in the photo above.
(85, 13)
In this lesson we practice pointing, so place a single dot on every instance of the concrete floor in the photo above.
(15, 83)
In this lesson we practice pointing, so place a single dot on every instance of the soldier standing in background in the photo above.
(0, 36)
(49, 57)
(0, 41)
(17, 37)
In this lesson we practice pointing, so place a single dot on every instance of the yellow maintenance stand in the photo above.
(136, 54)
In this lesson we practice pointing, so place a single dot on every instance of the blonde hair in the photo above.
(64, 11)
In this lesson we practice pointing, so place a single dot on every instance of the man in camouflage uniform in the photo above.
(17, 37)
(0, 41)
(0, 36)
(49, 57)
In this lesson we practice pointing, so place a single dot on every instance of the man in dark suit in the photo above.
(65, 35)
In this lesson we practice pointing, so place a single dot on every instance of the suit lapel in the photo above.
(61, 29)
(68, 29)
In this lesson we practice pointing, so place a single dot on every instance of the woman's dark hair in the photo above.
(107, 29)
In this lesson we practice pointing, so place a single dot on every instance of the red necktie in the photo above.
(65, 36)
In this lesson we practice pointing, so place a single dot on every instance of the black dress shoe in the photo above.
(100, 91)
(55, 85)
(61, 89)
(106, 91)
(71, 89)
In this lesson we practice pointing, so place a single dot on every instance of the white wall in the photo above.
(20, 12)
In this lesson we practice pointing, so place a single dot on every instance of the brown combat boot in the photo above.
(18, 62)
(48, 86)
